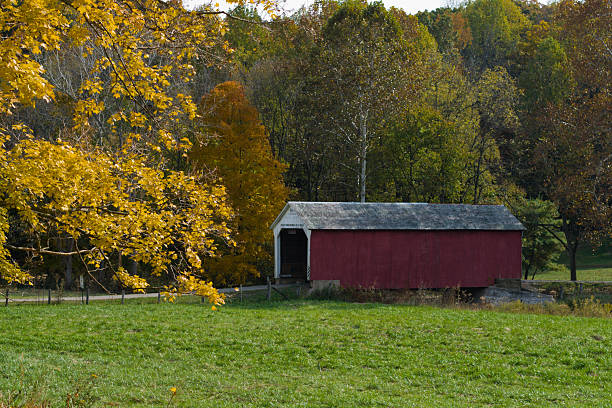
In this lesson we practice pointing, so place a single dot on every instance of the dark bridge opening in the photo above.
(294, 249)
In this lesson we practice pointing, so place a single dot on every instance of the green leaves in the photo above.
(546, 77)
(495, 26)
(542, 243)
(425, 159)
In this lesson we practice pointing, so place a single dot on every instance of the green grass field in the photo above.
(583, 274)
(592, 265)
(305, 354)
(586, 257)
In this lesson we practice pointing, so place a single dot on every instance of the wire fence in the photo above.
(84, 296)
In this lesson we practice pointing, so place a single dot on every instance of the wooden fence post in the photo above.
(269, 288)
(122, 296)
(87, 296)
(49, 298)
(7, 297)
(158, 297)
(241, 293)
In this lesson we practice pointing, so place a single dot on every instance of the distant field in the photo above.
(305, 354)
(588, 274)
(587, 257)
(591, 264)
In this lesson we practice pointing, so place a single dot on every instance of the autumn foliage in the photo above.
(233, 143)
(108, 185)
(108, 160)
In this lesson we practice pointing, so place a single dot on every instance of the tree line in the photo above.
(493, 101)
(154, 145)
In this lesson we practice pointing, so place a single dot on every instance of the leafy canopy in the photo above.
(127, 200)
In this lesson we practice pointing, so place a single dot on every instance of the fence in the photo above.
(48, 296)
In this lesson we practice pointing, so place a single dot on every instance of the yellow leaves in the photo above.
(123, 34)
(12, 274)
(193, 258)
(31, 25)
(166, 139)
(84, 109)
(119, 204)
(188, 106)
(116, 202)
(137, 119)
(188, 283)
(92, 87)
(131, 281)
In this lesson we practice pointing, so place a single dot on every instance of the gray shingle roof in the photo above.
(402, 216)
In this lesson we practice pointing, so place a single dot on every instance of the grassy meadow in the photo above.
(592, 264)
(583, 274)
(302, 353)
(587, 257)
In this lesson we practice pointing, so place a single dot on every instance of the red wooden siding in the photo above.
(412, 259)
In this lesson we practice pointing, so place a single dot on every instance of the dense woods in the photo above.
(146, 145)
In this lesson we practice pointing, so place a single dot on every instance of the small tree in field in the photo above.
(234, 144)
(540, 247)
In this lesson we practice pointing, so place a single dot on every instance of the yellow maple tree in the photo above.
(116, 201)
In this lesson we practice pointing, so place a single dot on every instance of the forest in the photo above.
(150, 146)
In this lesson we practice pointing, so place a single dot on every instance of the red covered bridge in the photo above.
(397, 245)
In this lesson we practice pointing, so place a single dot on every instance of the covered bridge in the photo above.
(396, 245)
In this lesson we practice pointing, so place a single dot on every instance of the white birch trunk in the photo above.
(363, 156)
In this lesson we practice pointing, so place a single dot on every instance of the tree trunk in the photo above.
(364, 151)
(68, 246)
(363, 180)
(572, 255)
(572, 234)
(133, 267)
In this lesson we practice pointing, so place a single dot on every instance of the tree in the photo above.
(540, 247)
(234, 145)
(545, 80)
(447, 26)
(586, 29)
(366, 69)
(546, 77)
(495, 102)
(424, 158)
(495, 27)
(575, 151)
(126, 199)
(575, 158)
(163, 219)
